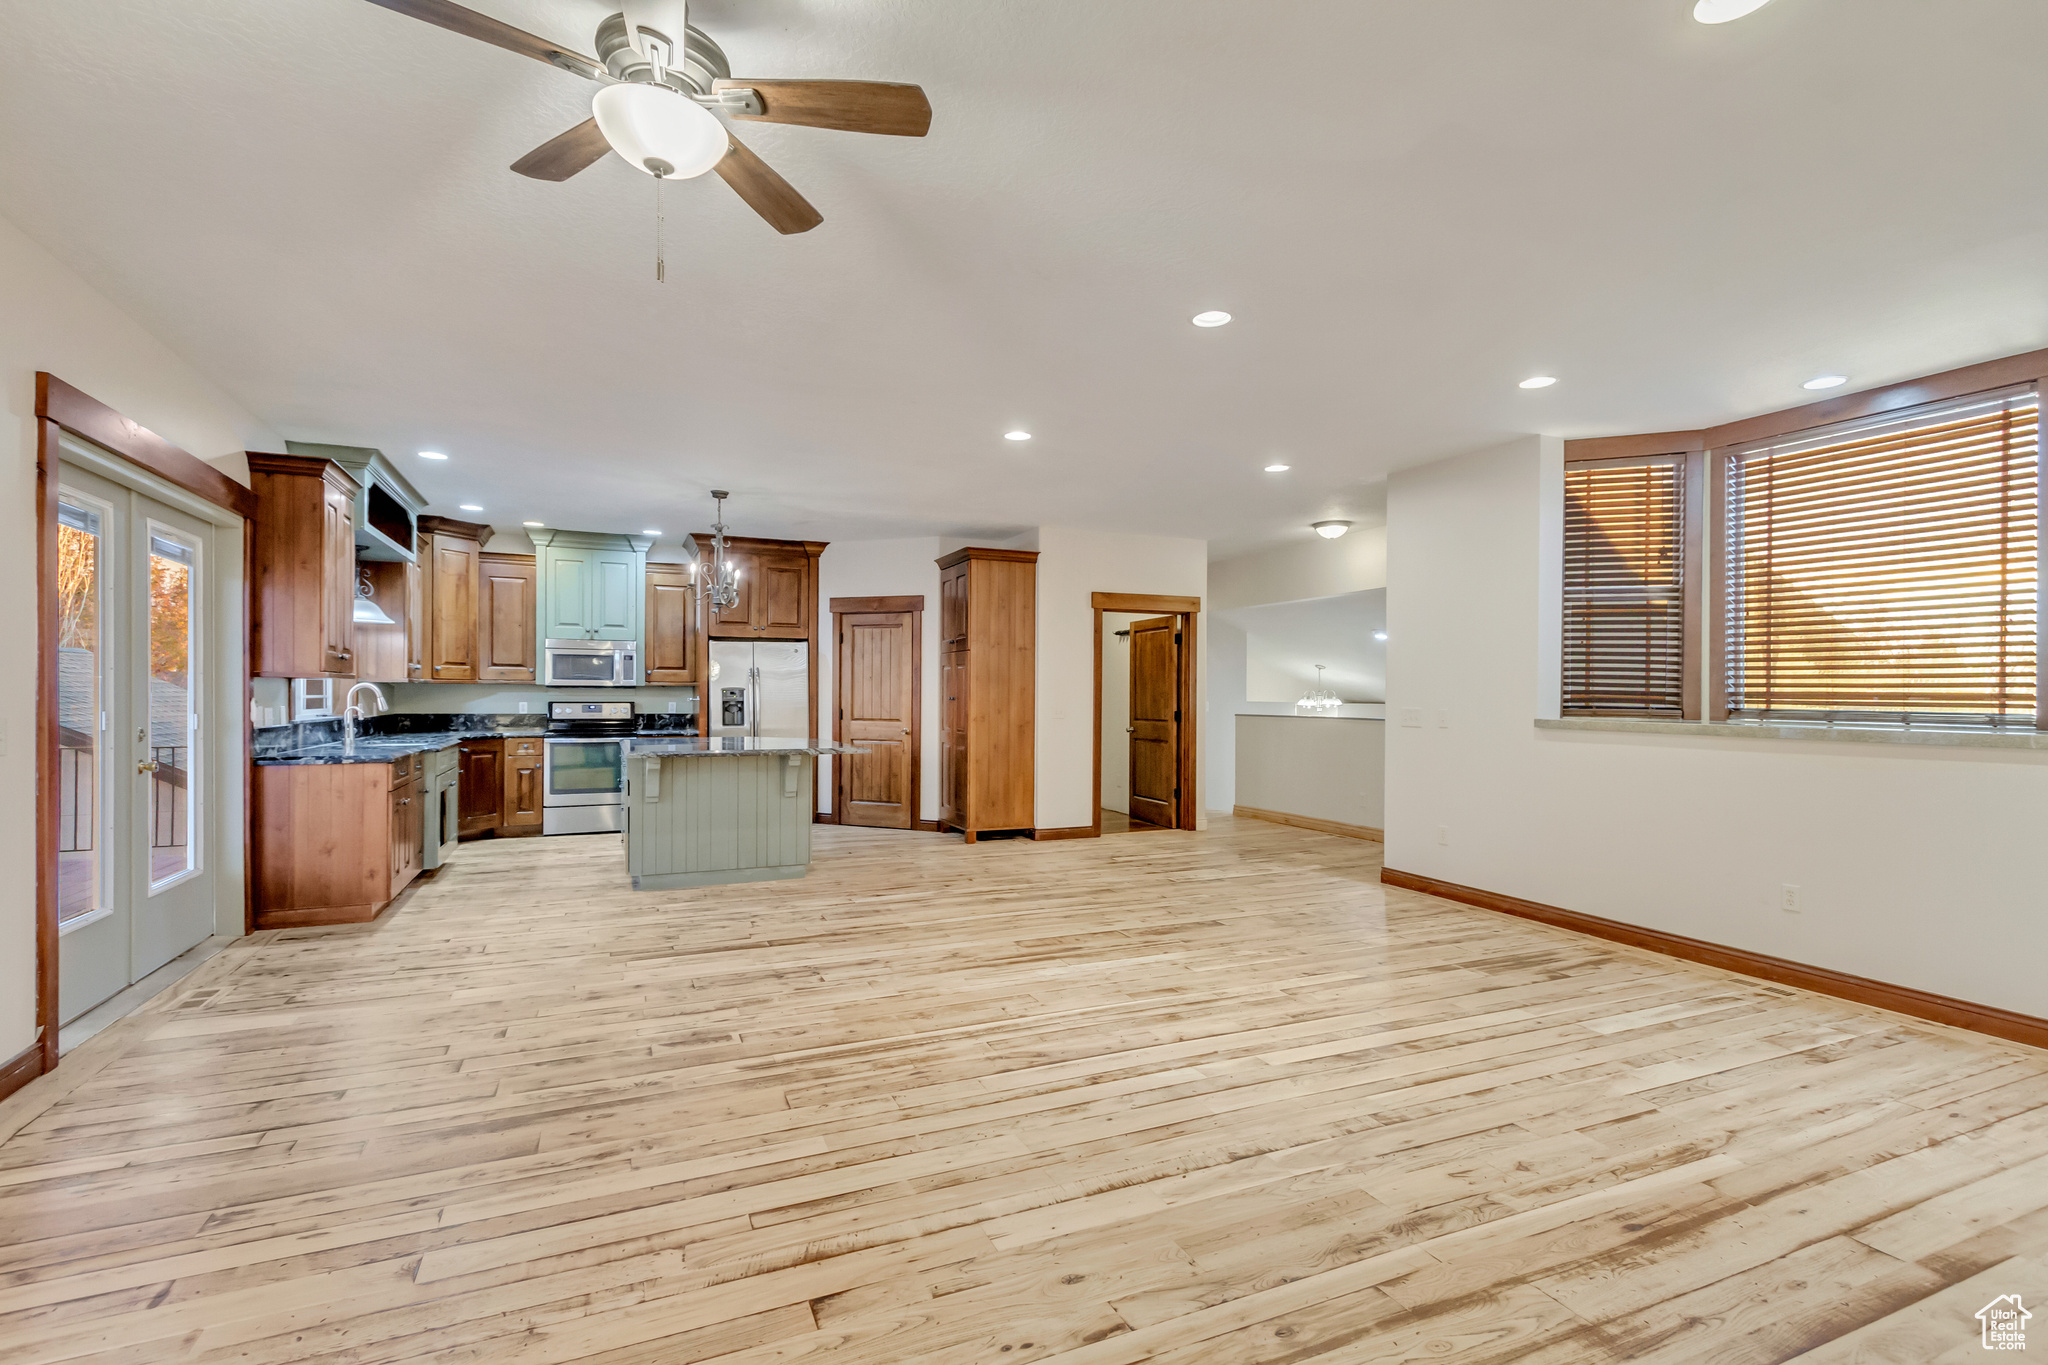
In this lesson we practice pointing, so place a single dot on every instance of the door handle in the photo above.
(148, 766)
(1130, 729)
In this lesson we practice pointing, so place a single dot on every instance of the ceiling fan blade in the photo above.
(767, 193)
(456, 19)
(561, 157)
(850, 106)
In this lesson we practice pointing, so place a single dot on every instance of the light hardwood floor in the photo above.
(1204, 1099)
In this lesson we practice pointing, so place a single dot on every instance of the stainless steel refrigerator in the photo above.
(760, 689)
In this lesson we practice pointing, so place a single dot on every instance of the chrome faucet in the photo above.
(351, 712)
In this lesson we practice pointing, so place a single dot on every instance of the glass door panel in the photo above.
(173, 588)
(81, 712)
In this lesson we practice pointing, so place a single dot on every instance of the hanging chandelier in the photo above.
(724, 587)
(1320, 701)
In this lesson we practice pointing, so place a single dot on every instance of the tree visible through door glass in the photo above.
(171, 586)
(80, 888)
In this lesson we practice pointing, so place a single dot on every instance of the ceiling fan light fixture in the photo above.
(1721, 11)
(659, 131)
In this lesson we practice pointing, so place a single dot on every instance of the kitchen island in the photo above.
(718, 810)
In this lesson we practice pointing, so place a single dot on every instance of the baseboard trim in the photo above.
(1065, 832)
(1279, 817)
(1940, 1009)
(928, 826)
(824, 817)
(25, 1066)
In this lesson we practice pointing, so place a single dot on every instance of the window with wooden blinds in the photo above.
(1887, 570)
(1624, 587)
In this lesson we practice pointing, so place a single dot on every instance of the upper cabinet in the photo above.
(590, 585)
(670, 650)
(303, 575)
(451, 554)
(778, 597)
(387, 505)
(390, 653)
(505, 618)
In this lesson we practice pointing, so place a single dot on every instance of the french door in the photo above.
(134, 889)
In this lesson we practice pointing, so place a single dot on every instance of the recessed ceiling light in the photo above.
(533, 523)
(1330, 530)
(650, 533)
(1215, 317)
(1379, 635)
(1016, 436)
(471, 507)
(1721, 11)
(1278, 468)
(1827, 381)
(432, 455)
(1541, 381)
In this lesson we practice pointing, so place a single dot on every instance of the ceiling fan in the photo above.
(661, 97)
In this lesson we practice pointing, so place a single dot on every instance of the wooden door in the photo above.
(1155, 720)
(523, 778)
(615, 590)
(481, 786)
(670, 650)
(953, 738)
(782, 599)
(736, 621)
(877, 699)
(415, 623)
(505, 618)
(338, 580)
(452, 589)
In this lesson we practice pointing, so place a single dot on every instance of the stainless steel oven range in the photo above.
(582, 768)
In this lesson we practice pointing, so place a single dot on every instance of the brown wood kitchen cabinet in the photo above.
(502, 786)
(987, 633)
(303, 568)
(778, 597)
(451, 555)
(670, 652)
(505, 617)
(334, 843)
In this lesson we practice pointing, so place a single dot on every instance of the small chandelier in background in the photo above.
(1320, 701)
(725, 578)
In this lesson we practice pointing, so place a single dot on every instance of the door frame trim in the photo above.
(1187, 733)
(60, 408)
(864, 606)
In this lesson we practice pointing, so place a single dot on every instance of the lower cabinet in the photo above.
(502, 783)
(334, 843)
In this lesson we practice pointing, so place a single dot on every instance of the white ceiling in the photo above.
(1284, 641)
(1408, 205)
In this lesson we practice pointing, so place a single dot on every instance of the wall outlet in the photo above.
(522, 708)
(1411, 717)
(1788, 898)
(671, 708)
(1443, 834)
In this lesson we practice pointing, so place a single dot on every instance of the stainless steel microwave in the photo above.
(590, 663)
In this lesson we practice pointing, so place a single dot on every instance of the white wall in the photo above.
(1074, 565)
(1326, 767)
(1923, 867)
(883, 568)
(1306, 567)
(50, 319)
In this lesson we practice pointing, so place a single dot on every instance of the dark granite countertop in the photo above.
(693, 746)
(377, 748)
(386, 738)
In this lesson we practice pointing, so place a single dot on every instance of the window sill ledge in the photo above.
(1826, 734)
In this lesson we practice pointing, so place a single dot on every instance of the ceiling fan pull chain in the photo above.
(660, 254)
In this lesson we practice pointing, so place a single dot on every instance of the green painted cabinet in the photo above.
(590, 584)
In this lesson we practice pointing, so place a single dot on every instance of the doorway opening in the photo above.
(1145, 663)
(877, 703)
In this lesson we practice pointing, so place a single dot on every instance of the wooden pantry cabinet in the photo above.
(987, 633)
